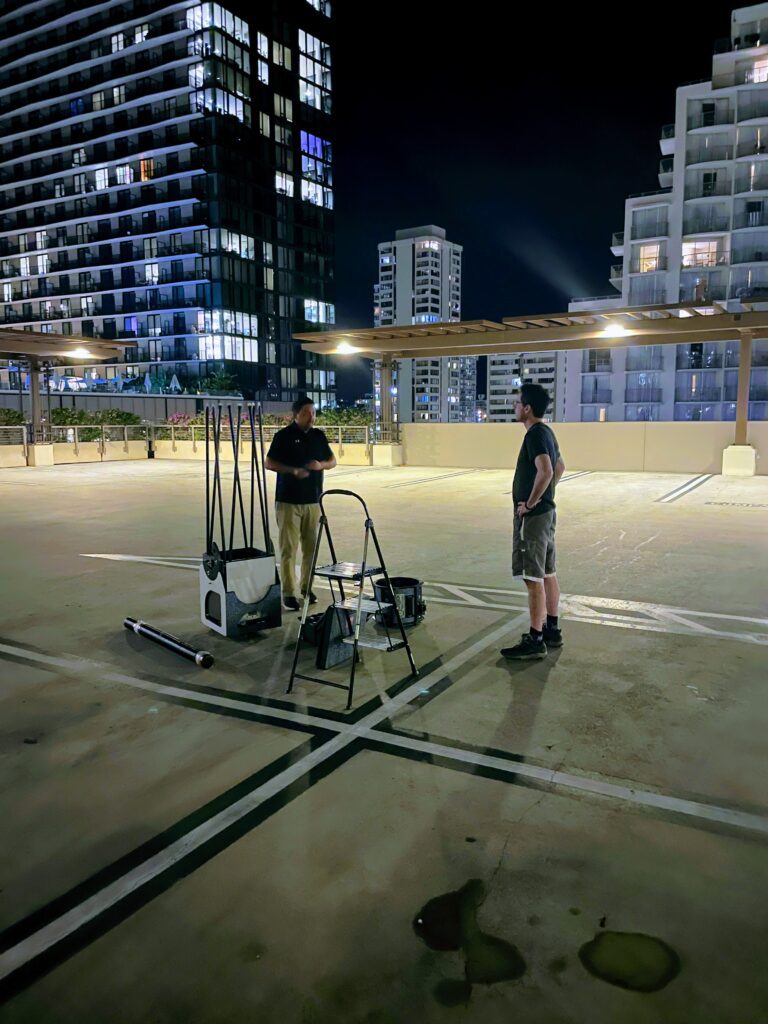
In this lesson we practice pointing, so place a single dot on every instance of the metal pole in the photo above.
(742, 395)
(207, 482)
(268, 540)
(386, 389)
(34, 390)
(48, 391)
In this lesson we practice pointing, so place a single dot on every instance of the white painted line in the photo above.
(655, 618)
(70, 922)
(684, 488)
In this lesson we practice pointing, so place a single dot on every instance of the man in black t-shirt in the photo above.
(539, 467)
(298, 454)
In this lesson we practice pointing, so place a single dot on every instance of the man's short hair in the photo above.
(536, 396)
(299, 404)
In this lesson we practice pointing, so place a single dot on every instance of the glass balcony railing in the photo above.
(596, 396)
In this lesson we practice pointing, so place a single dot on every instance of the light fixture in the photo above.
(615, 331)
(345, 349)
(80, 353)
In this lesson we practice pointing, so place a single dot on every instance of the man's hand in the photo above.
(299, 473)
(522, 509)
(314, 465)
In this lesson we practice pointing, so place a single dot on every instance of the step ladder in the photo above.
(357, 608)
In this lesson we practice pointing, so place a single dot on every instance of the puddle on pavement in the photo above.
(449, 922)
(630, 960)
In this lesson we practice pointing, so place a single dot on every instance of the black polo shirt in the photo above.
(295, 447)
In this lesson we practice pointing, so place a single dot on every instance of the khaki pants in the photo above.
(296, 523)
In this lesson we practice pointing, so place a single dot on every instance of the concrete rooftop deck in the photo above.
(182, 845)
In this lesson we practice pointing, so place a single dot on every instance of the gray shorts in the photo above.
(533, 546)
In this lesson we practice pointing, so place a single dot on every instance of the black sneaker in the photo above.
(553, 637)
(291, 604)
(312, 597)
(527, 650)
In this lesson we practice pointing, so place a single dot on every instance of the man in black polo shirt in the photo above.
(539, 467)
(298, 454)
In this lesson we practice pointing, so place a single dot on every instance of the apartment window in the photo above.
(124, 174)
(152, 273)
(147, 171)
(41, 239)
(700, 254)
(140, 33)
(7, 292)
(102, 178)
(649, 258)
(262, 45)
(58, 188)
(131, 325)
(78, 157)
(284, 184)
(77, 106)
(283, 107)
(117, 41)
(264, 126)
(150, 247)
(79, 182)
(262, 72)
(24, 266)
(196, 75)
(43, 263)
(118, 94)
(86, 305)
(99, 100)
(281, 55)
(758, 72)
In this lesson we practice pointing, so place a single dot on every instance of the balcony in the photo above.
(703, 224)
(648, 264)
(708, 291)
(644, 359)
(709, 154)
(654, 229)
(711, 118)
(706, 189)
(596, 396)
(617, 272)
(753, 254)
(706, 260)
(753, 219)
(644, 396)
(753, 106)
(108, 152)
(698, 395)
(617, 243)
(596, 362)
(757, 291)
(87, 132)
(699, 359)
(751, 183)
(667, 140)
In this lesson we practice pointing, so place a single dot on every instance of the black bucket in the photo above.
(407, 595)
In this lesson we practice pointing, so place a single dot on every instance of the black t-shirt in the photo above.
(295, 447)
(539, 440)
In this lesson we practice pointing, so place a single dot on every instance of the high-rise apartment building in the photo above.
(420, 283)
(166, 178)
(701, 239)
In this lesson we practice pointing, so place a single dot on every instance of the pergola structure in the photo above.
(562, 332)
(38, 349)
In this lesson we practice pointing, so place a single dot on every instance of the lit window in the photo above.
(118, 94)
(152, 273)
(140, 33)
(43, 263)
(24, 266)
(41, 239)
(262, 71)
(649, 258)
(283, 107)
(758, 72)
(118, 42)
(196, 75)
(124, 174)
(284, 184)
(324, 6)
(700, 254)
(7, 292)
(147, 169)
(102, 178)
(264, 125)
(99, 100)
(262, 45)
(78, 157)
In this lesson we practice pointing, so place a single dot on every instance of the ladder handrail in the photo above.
(350, 494)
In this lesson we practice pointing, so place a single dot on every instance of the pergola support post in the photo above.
(740, 458)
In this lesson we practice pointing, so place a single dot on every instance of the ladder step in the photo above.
(367, 605)
(347, 571)
(376, 643)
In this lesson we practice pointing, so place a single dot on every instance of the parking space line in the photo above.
(685, 488)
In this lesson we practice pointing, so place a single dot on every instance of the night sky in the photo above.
(521, 137)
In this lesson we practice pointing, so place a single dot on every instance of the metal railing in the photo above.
(643, 395)
(601, 395)
(703, 190)
(338, 435)
(703, 225)
(655, 229)
(14, 435)
(708, 154)
(704, 260)
(82, 433)
(617, 238)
